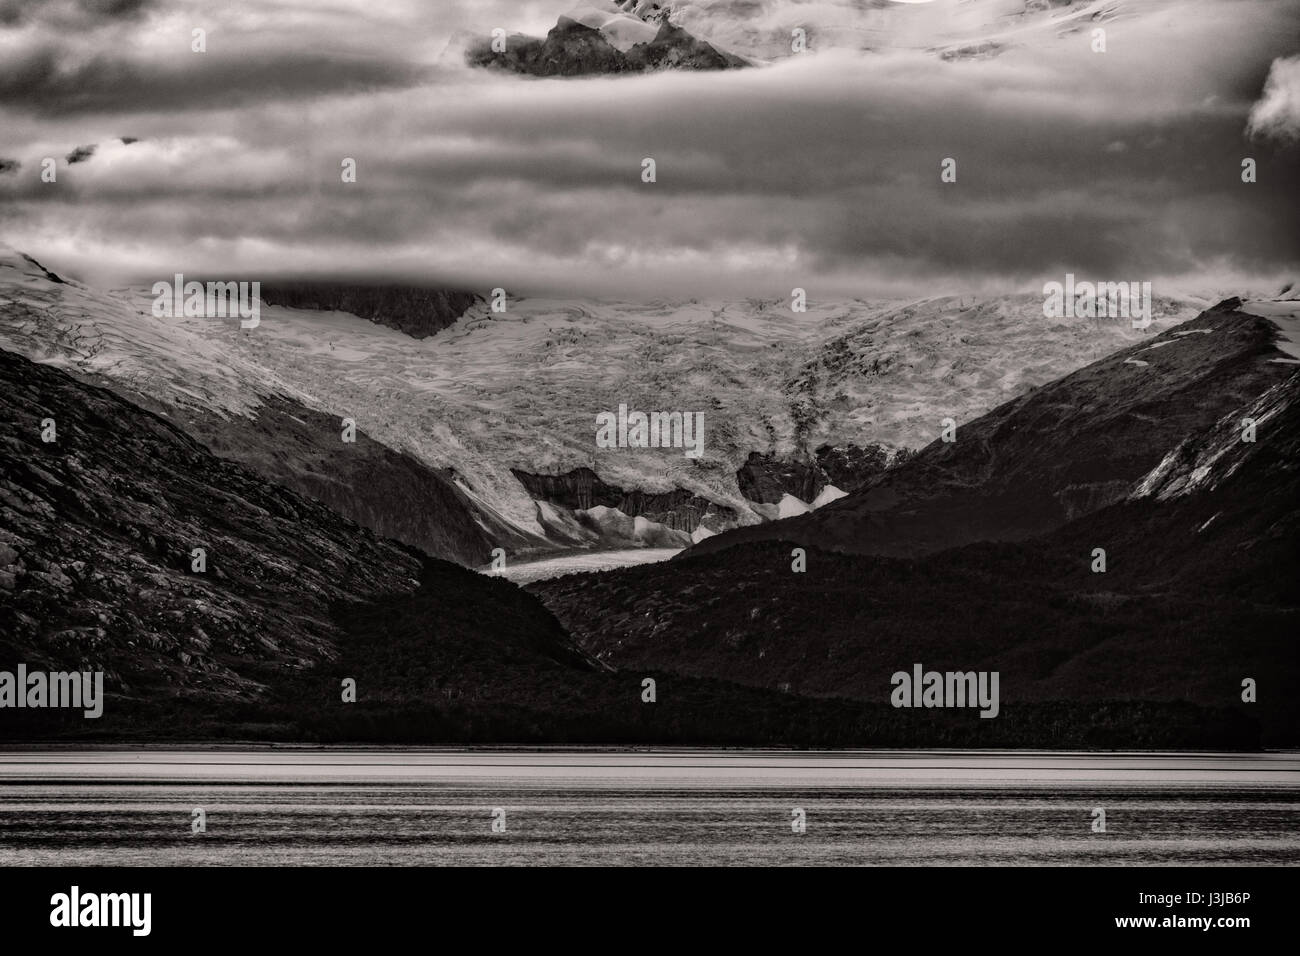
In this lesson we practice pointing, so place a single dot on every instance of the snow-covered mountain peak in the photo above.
(953, 28)
(623, 30)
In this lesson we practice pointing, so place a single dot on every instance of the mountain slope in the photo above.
(1199, 594)
(95, 529)
(186, 372)
(1054, 453)
(98, 531)
(389, 492)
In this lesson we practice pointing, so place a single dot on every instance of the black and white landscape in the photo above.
(852, 375)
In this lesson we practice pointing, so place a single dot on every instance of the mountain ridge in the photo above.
(1128, 415)
(575, 47)
(1195, 594)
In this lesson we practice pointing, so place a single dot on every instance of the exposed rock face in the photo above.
(98, 528)
(1053, 454)
(50, 276)
(581, 490)
(575, 49)
(675, 49)
(570, 49)
(1203, 461)
(787, 484)
(767, 478)
(417, 312)
(651, 11)
(850, 467)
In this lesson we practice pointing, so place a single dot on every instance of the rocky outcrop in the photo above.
(46, 273)
(581, 490)
(675, 49)
(569, 49)
(575, 49)
(417, 312)
(850, 467)
(1204, 461)
(767, 478)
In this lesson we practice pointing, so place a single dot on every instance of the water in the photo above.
(400, 806)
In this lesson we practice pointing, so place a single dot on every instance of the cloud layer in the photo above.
(1277, 114)
(820, 171)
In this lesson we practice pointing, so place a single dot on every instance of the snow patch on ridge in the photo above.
(828, 494)
(790, 506)
(1203, 462)
(623, 30)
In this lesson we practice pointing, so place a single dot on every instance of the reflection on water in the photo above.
(423, 807)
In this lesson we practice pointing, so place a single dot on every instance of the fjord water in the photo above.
(394, 806)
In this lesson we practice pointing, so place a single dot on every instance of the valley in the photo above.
(492, 420)
(743, 644)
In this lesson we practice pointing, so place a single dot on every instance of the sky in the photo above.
(819, 171)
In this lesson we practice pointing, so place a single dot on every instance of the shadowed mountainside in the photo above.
(97, 531)
(95, 536)
(1057, 452)
(1198, 594)
(390, 492)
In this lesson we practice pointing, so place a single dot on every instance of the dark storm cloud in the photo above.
(71, 13)
(50, 81)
